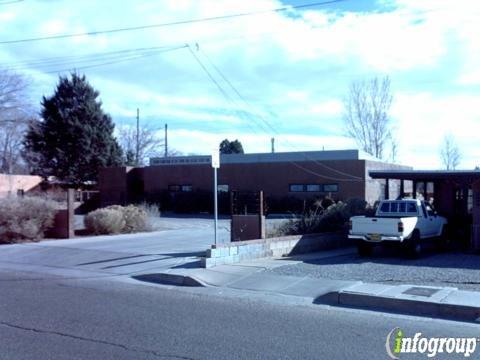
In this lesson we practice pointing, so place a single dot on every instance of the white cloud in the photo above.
(294, 70)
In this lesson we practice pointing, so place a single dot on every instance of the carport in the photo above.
(454, 194)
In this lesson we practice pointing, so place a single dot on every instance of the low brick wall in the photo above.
(280, 246)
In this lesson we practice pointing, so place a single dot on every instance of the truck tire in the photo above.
(413, 246)
(364, 249)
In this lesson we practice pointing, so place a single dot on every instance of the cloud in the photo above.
(292, 68)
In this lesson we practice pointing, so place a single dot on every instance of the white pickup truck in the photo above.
(408, 222)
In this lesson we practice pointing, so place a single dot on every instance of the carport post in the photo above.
(402, 189)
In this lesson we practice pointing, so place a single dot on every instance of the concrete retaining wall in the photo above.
(280, 246)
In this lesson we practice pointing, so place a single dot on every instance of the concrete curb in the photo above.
(441, 310)
(170, 279)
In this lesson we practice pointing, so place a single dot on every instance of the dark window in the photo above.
(401, 207)
(385, 207)
(313, 188)
(394, 207)
(411, 208)
(330, 187)
(296, 188)
(173, 188)
(424, 210)
(186, 188)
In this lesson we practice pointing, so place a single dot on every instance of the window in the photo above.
(385, 207)
(222, 188)
(330, 187)
(424, 210)
(401, 207)
(173, 188)
(296, 188)
(394, 207)
(313, 188)
(186, 188)
(411, 208)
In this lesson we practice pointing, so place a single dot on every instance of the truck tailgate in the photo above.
(374, 225)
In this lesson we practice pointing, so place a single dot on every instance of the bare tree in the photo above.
(12, 94)
(150, 144)
(367, 119)
(15, 112)
(450, 153)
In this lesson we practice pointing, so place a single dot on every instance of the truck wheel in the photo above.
(364, 249)
(413, 246)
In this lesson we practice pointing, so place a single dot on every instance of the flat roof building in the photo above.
(340, 174)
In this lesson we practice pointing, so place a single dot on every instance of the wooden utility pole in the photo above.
(137, 148)
(166, 140)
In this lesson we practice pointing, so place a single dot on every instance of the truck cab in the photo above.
(407, 222)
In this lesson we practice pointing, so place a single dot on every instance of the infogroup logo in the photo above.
(397, 343)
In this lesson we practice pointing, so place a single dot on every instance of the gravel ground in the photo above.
(446, 269)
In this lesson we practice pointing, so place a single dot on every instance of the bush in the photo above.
(104, 221)
(332, 218)
(25, 218)
(151, 210)
(117, 219)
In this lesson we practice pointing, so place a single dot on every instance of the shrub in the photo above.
(117, 219)
(104, 221)
(136, 219)
(151, 210)
(333, 218)
(25, 218)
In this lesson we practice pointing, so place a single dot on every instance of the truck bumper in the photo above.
(376, 239)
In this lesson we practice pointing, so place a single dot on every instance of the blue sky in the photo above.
(293, 68)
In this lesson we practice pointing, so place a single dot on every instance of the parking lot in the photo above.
(452, 269)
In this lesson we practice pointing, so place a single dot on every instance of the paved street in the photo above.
(54, 318)
(76, 299)
(435, 269)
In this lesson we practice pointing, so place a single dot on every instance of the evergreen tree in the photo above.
(74, 138)
(231, 147)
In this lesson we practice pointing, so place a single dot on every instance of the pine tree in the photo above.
(74, 138)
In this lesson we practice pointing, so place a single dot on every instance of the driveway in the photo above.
(453, 269)
(180, 245)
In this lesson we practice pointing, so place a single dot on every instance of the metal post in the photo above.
(215, 197)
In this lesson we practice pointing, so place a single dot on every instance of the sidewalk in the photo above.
(440, 302)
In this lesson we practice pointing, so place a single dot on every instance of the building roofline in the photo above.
(297, 156)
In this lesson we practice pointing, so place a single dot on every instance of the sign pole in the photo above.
(215, 166)
(215, 196)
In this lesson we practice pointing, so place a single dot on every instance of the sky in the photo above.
(281, 74)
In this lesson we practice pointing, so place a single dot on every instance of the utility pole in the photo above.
(137, 149)
(273, 145)
(166, 140)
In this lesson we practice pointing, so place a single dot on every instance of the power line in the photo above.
(72, 58)
(173, 23)
(217, 84)
(225, 94)
(115, 61)
(266, 121)
(10, 2)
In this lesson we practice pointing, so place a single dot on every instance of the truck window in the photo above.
(385, 208)
(424, 211)
(411, 208)
(401, 207)
(394, 207)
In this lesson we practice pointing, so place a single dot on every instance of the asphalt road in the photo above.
(54, 318)
(450, 269)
